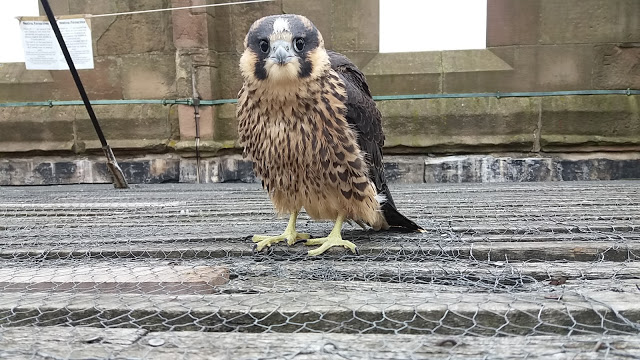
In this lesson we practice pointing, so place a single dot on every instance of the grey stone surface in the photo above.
(398, 169)
(487, 169)
(86, 170)
(167, 272)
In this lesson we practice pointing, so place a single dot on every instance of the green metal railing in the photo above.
(499, 95)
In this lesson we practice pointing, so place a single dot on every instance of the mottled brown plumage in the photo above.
(307, 121)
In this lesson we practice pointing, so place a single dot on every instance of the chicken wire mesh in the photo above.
(519, 270)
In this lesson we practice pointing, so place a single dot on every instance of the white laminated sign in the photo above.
(41, 48)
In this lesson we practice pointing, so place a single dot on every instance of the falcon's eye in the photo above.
(298, 44)
(264, 46)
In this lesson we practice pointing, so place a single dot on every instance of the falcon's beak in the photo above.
(281, 52)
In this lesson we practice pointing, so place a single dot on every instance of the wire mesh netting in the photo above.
(169, 271)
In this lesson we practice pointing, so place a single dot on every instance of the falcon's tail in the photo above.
(398, 221)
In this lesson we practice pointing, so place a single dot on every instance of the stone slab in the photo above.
(23, 342)
(589, 21)
(487, 169)
(607, 122)
(617, 66)
(398, 169)
(36, 129)
(136, 127)
(138, 33)
(148, 76)
(512, 22)
(455, 125)
(79, 170)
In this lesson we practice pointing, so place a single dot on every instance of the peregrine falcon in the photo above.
(309, 124)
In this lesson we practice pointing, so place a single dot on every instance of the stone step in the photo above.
(90, 342)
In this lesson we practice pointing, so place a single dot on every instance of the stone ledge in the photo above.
(86, 170)
(489, 169)
(398, 169)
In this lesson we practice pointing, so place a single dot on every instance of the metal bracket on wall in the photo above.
(195, 100)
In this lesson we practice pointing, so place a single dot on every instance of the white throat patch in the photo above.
(281, 25)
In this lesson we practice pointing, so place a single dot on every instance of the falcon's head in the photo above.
(283, 48)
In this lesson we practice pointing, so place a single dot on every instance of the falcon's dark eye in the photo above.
(298, 44)
(264, 46)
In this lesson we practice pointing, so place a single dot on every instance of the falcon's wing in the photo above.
(364, 117)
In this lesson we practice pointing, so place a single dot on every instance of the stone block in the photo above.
(232, 169)
(190, 28)
(468, 71)
(405, 63)
(17, 73)
(355, 25)
(512, 22)
(148, 76)
(59, 7)
(231, 23)
(230, 79)
(226, 124)
(587, 123)
(143, 171)
(101, 82)
(567, 67)
(404, 73)
(46, 171)
(36, 129)
(404, 84)
(457, 61)
(218, 170)
(205, 64)
(316, 11)
(86, 170)
(487, 169)
(455, 169)
(188, 171)
(589, 21)
(534, 68)
(146, 128)
(404, 169)
(617, 66)
(138, 33)
(598, 169)
(95, 7)
(452, 125)
(187, 121)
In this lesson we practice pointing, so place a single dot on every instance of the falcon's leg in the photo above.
(290, 234)
(334, 239)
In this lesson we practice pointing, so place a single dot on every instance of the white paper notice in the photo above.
(41, 48)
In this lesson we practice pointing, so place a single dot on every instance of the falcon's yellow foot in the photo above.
(266, 240)
(290, 234)
(334, 239)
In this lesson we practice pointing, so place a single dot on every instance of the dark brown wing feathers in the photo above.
(365, 118)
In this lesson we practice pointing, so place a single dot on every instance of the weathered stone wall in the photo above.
(532, 45)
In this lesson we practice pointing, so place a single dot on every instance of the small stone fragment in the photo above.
(155, 342)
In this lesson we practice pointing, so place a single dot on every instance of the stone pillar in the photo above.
(195, 69)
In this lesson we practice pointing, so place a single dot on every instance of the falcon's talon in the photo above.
(329, 242)
(267, 240)
(334, 239)
(290, 234)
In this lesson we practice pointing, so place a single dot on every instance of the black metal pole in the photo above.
(118, 177)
